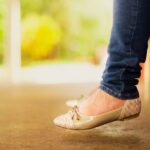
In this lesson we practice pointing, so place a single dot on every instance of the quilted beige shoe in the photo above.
(76, 121)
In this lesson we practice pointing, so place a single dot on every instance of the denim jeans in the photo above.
(127, 48)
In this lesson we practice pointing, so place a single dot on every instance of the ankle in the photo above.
(100, 102)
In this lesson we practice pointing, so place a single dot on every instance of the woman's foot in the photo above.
(97, 109)
(99, 102)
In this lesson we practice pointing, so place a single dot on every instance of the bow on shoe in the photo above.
(75, 113)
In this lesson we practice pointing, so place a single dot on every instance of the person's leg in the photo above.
(113, 100)
(127, 48)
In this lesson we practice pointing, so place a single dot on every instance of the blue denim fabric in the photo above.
(127, 48)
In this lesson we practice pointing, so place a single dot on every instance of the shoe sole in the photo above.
(130, 117)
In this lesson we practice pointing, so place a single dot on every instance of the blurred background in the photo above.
(62, 31)
(54, 42)
(49, 42)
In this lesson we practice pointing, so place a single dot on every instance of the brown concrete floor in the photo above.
(26, 124)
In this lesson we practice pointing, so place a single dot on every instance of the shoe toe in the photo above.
(59, 121)
(63, 121)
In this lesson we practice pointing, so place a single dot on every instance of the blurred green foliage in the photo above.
(1, 31)
(63, 30)
(56, 10)
(85, 27)
(40, 35)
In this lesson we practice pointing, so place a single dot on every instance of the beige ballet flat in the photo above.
(76, 121)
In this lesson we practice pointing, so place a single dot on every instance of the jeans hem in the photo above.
(127, 96)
